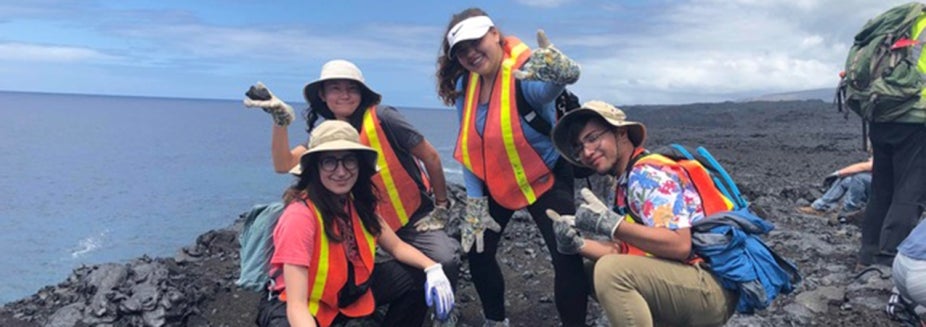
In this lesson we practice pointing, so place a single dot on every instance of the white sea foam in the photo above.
(89, 244)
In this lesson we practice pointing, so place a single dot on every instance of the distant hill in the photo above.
(825, 94)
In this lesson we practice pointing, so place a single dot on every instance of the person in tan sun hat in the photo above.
(414, 202)
(327, 236)
(643, 276)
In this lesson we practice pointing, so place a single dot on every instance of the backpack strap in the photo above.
(530, 114)
(733, 193)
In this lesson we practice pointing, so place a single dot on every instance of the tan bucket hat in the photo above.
(616, 117)
(335, 135)
(339, 69)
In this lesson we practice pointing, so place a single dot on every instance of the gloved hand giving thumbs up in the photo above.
(547, 63)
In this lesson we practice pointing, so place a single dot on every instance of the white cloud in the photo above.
(51, 53)
(711, 49)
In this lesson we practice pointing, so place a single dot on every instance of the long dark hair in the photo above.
(449, 70)
(363, 193)
(319, 109)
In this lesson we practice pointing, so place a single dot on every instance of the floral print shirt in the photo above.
(659, 195)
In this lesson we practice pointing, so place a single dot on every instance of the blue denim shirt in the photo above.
(540, 95)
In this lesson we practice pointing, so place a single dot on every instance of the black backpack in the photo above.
(565, 102)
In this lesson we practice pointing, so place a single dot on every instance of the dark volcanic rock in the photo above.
(777, 152)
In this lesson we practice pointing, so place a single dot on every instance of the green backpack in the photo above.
(881, 81)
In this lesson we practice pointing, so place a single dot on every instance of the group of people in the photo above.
(367, 180)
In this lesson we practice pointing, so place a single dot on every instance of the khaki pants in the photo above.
(643, 291)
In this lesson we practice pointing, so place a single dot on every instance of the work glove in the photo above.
(258, 96)
(830, 179)
(438, 293)
(548, 64)
(476, 221)
(594, 217)
(568, 240)
(436, 219)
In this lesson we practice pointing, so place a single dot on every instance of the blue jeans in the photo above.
(852, 189)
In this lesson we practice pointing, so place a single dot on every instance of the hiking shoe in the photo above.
(808, 210)
(899, 309)
(847, 217)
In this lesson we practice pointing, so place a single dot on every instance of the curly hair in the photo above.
(449, 71)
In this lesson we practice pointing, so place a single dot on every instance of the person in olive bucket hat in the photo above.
(643, 276)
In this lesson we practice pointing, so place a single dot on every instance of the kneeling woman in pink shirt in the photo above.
(325, 241)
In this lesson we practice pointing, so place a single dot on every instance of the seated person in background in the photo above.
(909, 274)
(852, 184)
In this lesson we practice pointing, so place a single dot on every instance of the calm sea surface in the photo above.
(93, 179)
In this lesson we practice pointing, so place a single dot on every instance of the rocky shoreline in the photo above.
(777, 152)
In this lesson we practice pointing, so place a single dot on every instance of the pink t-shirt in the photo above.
(293, 240)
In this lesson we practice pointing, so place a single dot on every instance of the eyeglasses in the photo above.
(329, 164)
(592, 140)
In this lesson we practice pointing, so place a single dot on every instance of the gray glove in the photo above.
(548, 64)
(258, 96)
(594, 217)
(475, 223)
(568, 240)
(435, 220)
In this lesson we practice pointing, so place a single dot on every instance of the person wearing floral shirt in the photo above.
(644, 270)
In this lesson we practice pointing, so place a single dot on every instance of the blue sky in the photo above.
(631, 52)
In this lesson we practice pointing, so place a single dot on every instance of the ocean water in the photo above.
(88, 179)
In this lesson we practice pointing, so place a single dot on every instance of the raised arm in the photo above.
(284, 159)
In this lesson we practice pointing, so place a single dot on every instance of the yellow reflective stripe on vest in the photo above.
(469, 109)
(506, 117)
(921, 61)
(321, 269)
(370, 128)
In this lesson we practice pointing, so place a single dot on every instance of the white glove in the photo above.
(476, 221)
(437, 291)
(258, 96)
(568, 240)
(435, 220)
(594, 217)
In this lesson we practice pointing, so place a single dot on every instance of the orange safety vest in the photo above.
(712, 200)
(502, 157)
(402, 195)
(328, 272)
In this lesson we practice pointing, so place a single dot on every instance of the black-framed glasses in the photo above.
(592, 140)
(330, 163)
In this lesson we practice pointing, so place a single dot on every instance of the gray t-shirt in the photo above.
(403, 137)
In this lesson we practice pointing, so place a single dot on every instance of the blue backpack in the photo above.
(730, 243)
(256, 241)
